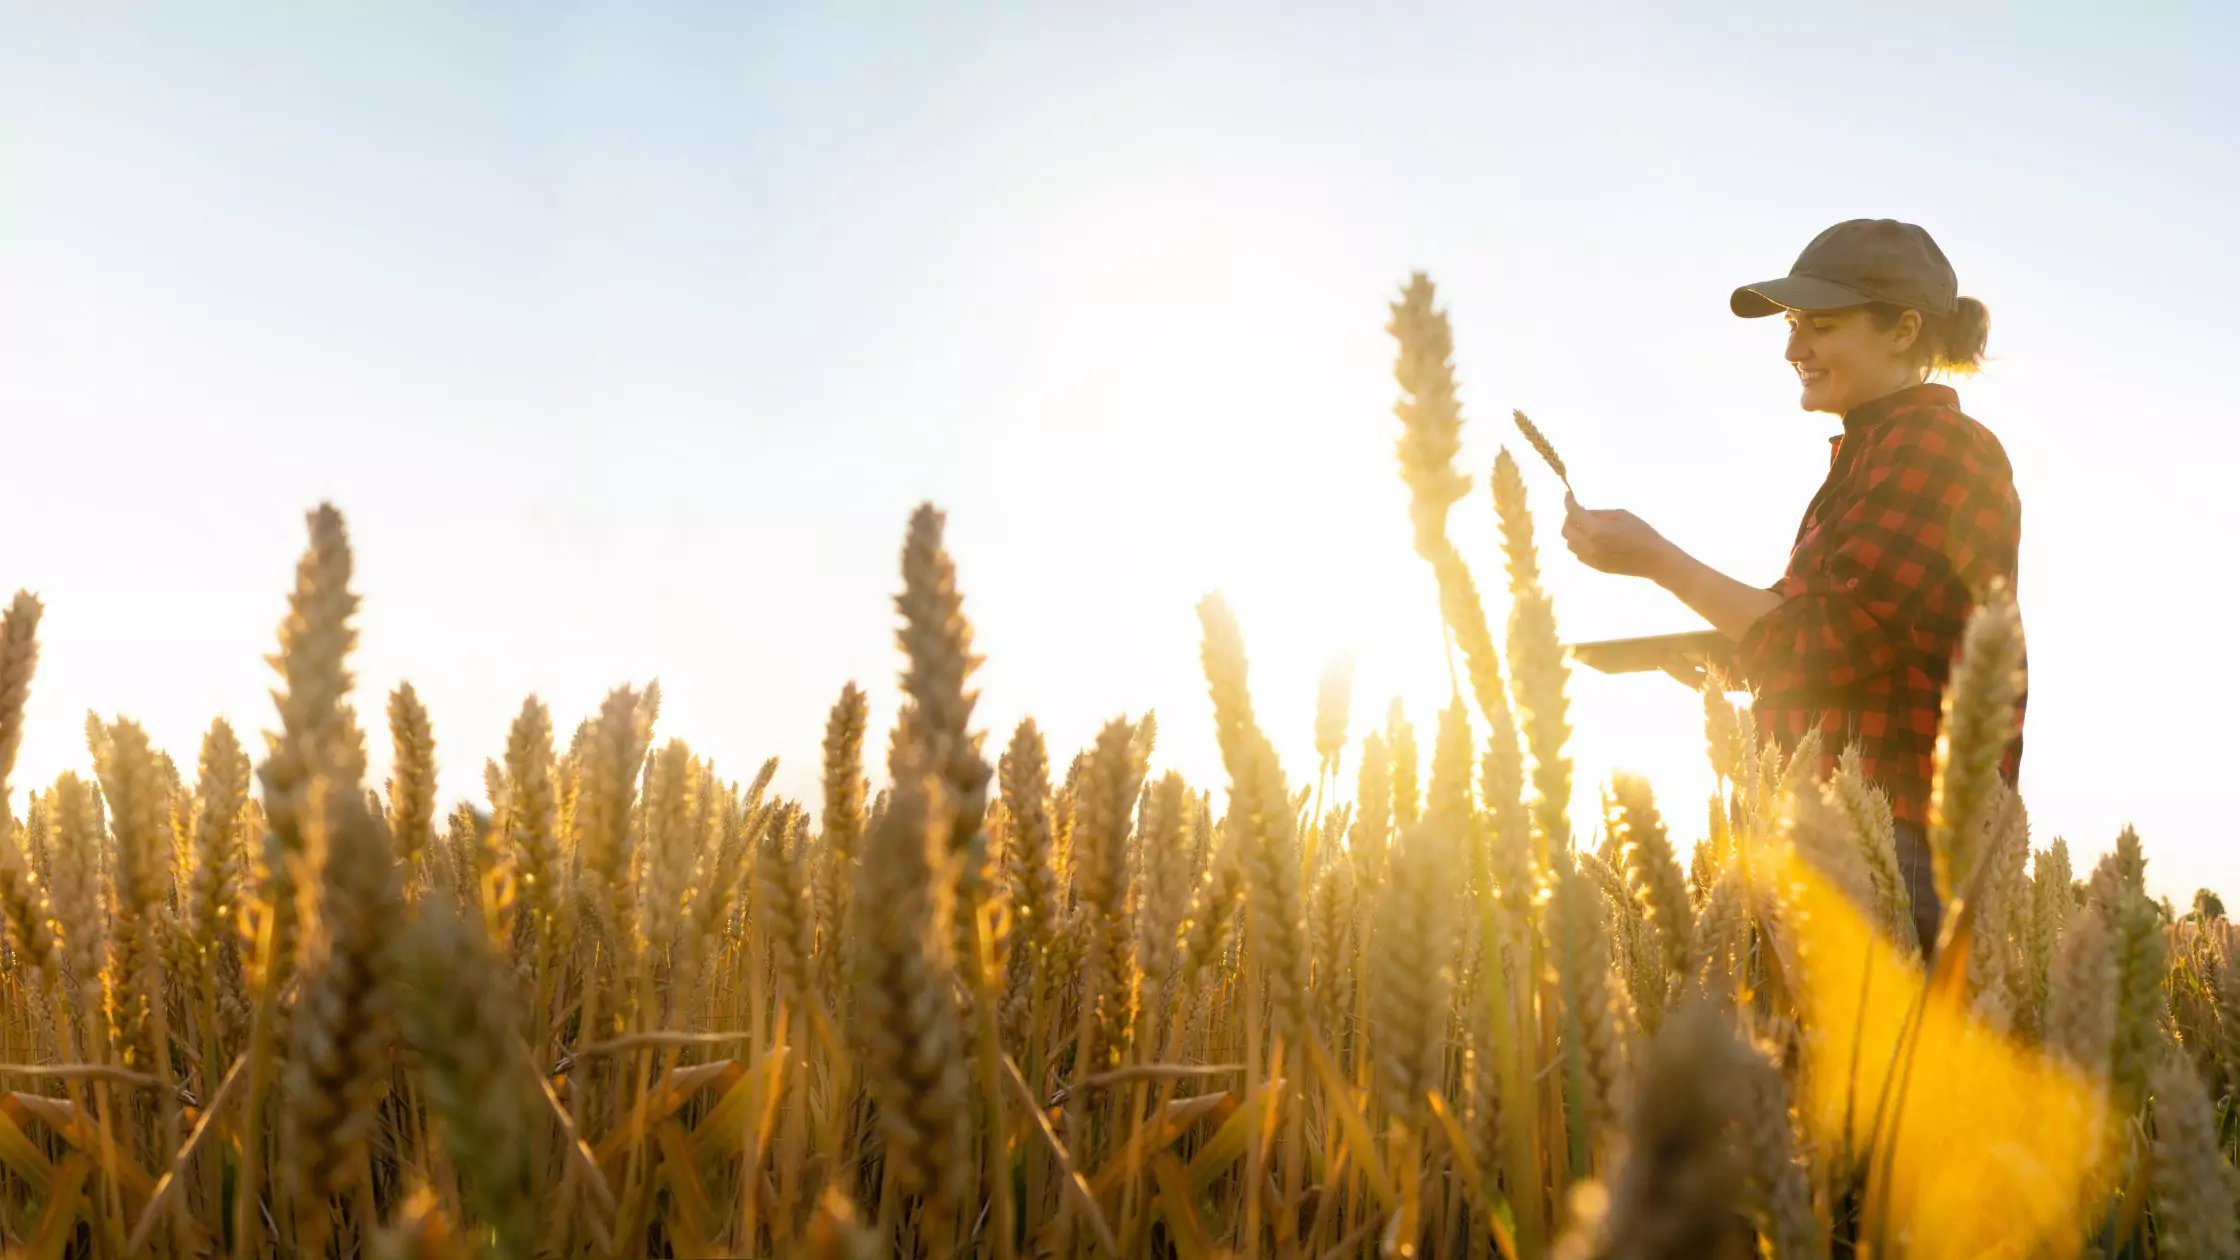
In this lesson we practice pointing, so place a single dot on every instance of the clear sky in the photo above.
(627, 336)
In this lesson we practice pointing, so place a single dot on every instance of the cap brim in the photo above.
(1794, 293)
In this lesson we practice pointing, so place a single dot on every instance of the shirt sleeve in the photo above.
(1932, 515)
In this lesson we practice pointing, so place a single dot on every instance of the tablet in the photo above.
(1656, 651)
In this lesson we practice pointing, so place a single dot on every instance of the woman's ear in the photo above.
(1906, 331)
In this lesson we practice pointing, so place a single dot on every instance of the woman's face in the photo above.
(1844, 360)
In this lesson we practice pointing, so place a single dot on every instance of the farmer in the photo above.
(1916, 520)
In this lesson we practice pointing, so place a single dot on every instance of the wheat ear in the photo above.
(457, 1005)
(2081, 1005)
(1582, 964)
(1542, 447)
(912, 1042)
(2194, 1189)
(1260, 803)
(532, 815)
(1167, 873)
(842, 819)
(318, 733)
(1332, 698)
(937, 640)
(2228, 999)
(1407, 766)
(788, 916)
(1332, 907)
(1103, 891)
(2051, 910)
(1866, 810)
(75, 892)
(1411, 965)
(412, 781)
(1430, 414)
(1978, 724)
(1780, 1193)
(338, 1056)
(1538, 671)
(2119, 892)
(19, 656)
(665, 878)
(22, 903)
(1675, 1192)
(605, 838)
(1655, 875)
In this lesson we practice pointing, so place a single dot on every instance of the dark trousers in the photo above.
(1921, 885)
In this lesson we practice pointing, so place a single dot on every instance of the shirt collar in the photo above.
(1867, 415)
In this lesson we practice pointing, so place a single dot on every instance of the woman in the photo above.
(1917, 519)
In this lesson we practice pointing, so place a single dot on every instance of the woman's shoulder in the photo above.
(1931, 424)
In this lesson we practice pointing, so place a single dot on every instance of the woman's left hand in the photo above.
(1612, 540)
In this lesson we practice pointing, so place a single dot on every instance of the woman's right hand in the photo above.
(1612, 540)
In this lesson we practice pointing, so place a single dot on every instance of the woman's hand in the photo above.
(1614, 541)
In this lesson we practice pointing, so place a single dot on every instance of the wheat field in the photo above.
(1031, 1002)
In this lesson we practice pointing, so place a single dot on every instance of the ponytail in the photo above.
(1956, 340)
(1950, 343)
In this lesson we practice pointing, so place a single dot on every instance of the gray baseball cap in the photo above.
(1854, 263)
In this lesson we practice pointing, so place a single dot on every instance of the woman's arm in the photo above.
(1731, 606)
(1616, 541)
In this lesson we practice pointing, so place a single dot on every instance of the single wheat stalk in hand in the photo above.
(1541, 444)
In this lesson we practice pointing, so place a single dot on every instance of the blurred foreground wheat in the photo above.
(628, 1006)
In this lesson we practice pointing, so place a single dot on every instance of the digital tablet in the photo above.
(1656, 651)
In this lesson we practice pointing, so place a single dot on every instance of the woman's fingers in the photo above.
(1610, 540)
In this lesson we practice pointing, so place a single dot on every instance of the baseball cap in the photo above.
(1856, 262)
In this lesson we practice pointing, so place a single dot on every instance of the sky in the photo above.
(626, 337)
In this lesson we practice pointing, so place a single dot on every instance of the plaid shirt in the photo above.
(1918, 513)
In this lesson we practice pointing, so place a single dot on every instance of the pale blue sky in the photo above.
(628, 335)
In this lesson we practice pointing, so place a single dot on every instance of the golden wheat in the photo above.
(1542, 447)
(646, 1010)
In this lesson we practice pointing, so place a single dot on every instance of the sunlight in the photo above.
(1987, 1146)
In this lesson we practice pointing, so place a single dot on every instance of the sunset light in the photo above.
(1056, 632)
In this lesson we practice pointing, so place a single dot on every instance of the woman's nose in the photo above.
(1796, 349)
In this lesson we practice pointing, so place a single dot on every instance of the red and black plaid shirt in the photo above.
(1918, 514)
